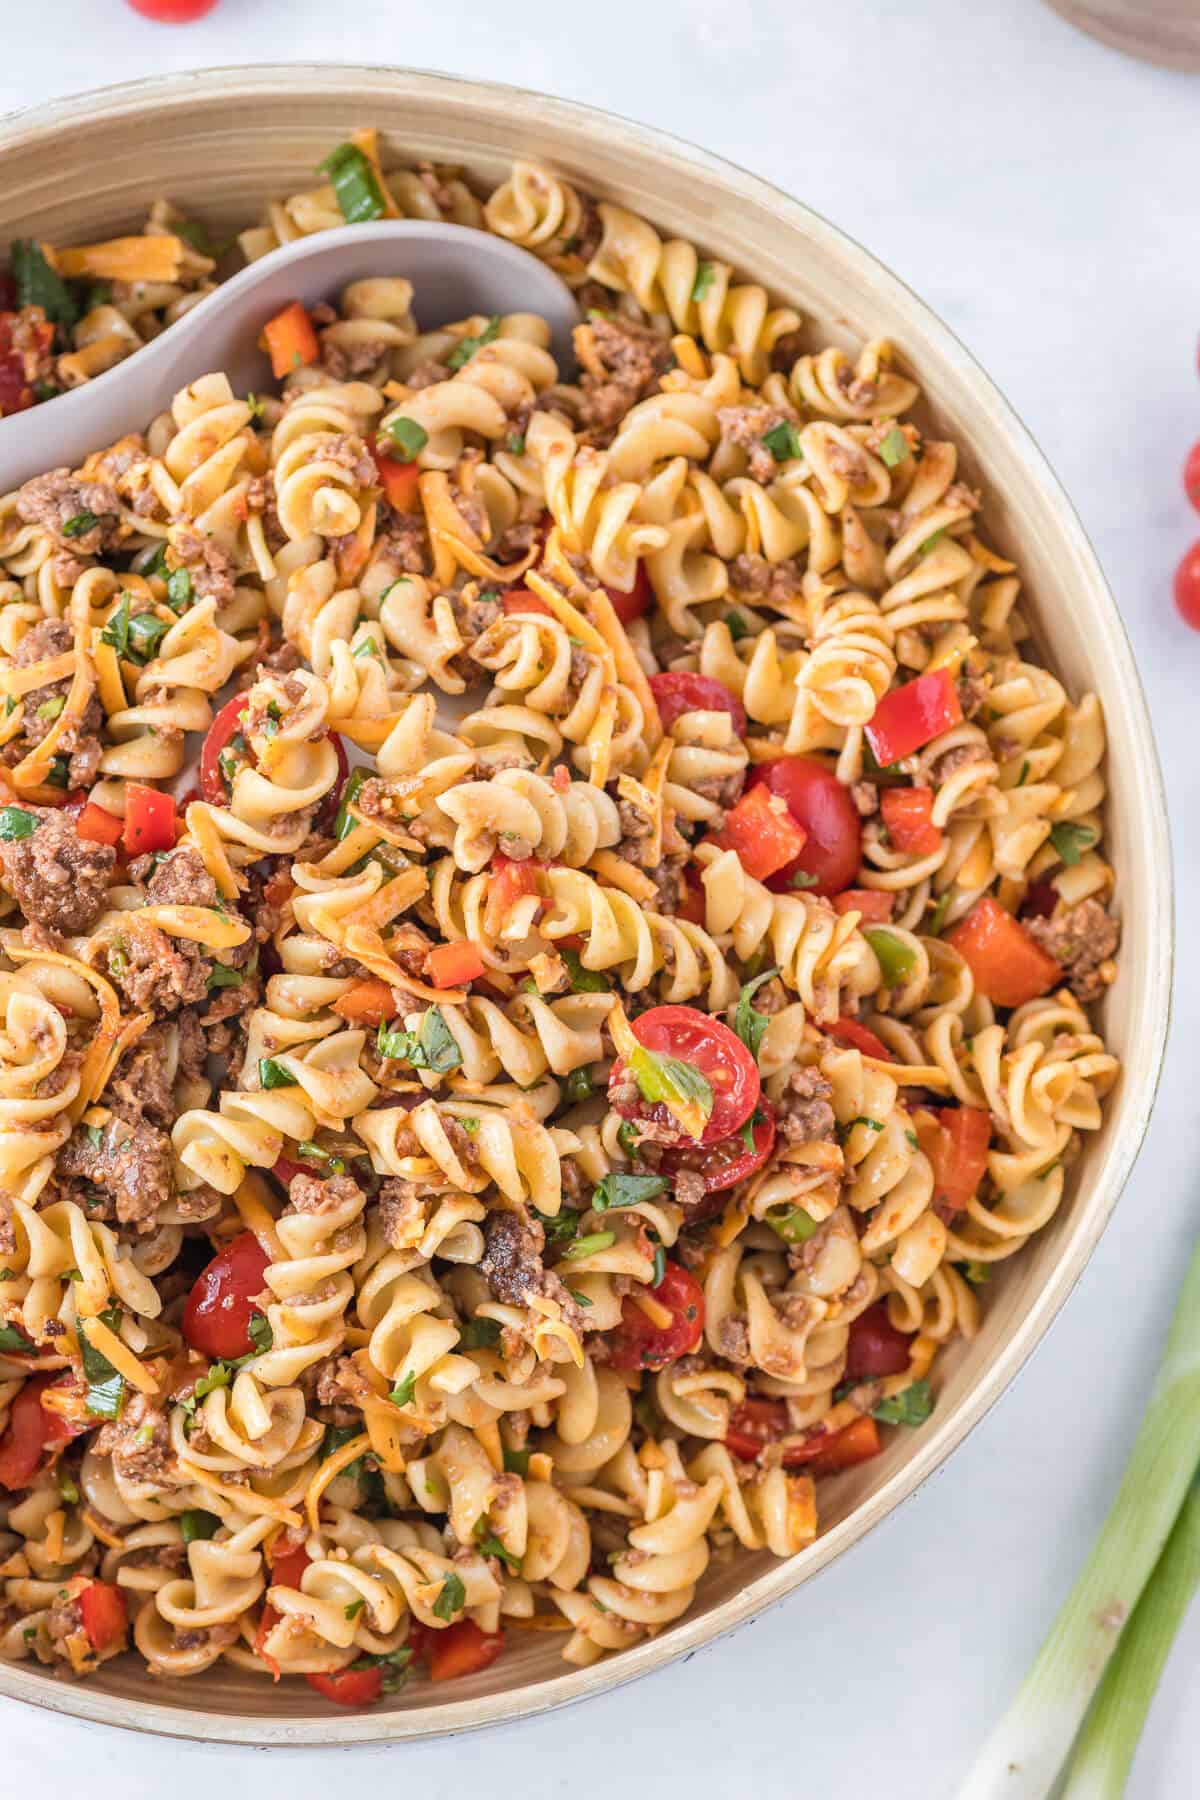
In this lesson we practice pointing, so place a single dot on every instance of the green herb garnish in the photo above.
(358, 193)
(272, 1074)
(451, 1600)
(479, 1334)
(40, 285)
(894, 448)
(408, 438)
(590, 1245)
(749, 1024)
(793, 1225)
(911, 1406)
(105, 1395)
(16, 823)
(405, 1388)
(490, 1545)
(627, 1190)
(195, 1523)
(1071, 840)
(466, 347)
(79, 524)
(584, 981)
(783, 441)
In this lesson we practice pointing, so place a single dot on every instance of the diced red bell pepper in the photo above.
(857, 1443)
(99, 826)
(102, 1609)
(450, 965)
(461, 1649)
(31, 1430)
(908, 818)
(763, 833)
(149, 820)
(874, 904)
(911, 716)
(957, 1147)
(520, 600)
(857, 1037)
(400, 481)
(349, 1687)
(630, 606)
(1009, 966)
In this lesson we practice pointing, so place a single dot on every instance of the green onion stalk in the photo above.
(1024, 1755)
(1099, 1766)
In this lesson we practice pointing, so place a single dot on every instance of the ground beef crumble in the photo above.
(1082, 939)
(58, 879)
(513, 1268)
(621, 364)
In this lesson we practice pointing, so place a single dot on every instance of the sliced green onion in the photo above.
(705, 276)
(79, 524)
(343, 825)
(794, 1225)
(407, 438)
(272, 1074)
(590, 1245)
(783, 441)
(358, 193)
(466, 347)
(894, 447)
(1104, 1749)
(40, 285)
(1025, 1752)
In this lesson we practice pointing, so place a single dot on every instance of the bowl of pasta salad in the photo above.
(585, 946)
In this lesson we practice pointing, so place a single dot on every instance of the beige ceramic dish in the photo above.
(222, 142)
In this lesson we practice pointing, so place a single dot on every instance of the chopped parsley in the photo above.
(452, 1598)
(259, 1332)
(626, 1190)
(490, 1545)
(79, 524)
(180, 594)
(1071, 840)
(405, 1388)
(749, 1024)
(16, 823)
(272, 1074)
(465, 349)
(783, 441)
(911, 1406)
(894, 448)
(105, 1394)
(195, 1523)
(559, 1227)
(479, 1334)
(431, 1047)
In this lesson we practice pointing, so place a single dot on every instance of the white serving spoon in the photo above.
(455, 271)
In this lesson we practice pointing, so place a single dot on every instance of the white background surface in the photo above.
(1040, 192)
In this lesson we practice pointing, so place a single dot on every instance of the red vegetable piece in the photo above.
(399, 480)
(822, 805)
(753, 1425)
(678, 691)
(452, 965)
(762, 833)
(1008, 965)
(225, 726)
(105, 1619)
(349, 1687)
(908, 817)
(30, 1431)
(217, 1316)
(98, 826)
(630, 606)
(706, 1045)
(462, 1649)
(875, 1346)
(857, 1037)
(909, 717)
(873, 904)
(638, 1343)
(855, 1444)
(149, 820)
(721, 1166)
(1191, 476)
(1187, 587)
(520, 600)
(958, 1149)
(173, 12)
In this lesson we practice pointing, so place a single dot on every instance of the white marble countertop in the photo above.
(1040, 192)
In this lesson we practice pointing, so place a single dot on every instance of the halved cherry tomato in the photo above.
(754, 1424)
(908, 817)
(857, 1037)
(958, 1149)
(875, 1346)
(369, 1002)
(721, 1166)
(857, 1443)
(349, 1687)
(762, 833)
(520, 600)
(98, 826)
(173, 12)
(102, 1609)
(1191, 476)
(462, 1649)
(637, 1343)
(630, 606)
(709, 1047)
(149, 820)
(1008, 965)
(225, 726)
(909, 717)
(399, 480)
(217, 1316)
(874, 904)
(31, 1430)
(1187, 586)
(678, 691)
(819, 802)
(451, 965)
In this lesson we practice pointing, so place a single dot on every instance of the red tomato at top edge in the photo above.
(1191, 476)
(678, 691)
(1187, 587)
(216, 1319)
(707, 1046)
(637, 1343)
(721, 1166)
(630, 606)
(173, 12)
(819, 802)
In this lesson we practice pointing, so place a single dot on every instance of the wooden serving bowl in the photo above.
(222, 142)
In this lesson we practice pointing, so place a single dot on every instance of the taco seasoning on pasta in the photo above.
(547, 942)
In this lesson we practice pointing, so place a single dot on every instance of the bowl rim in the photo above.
(1139, 1086)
